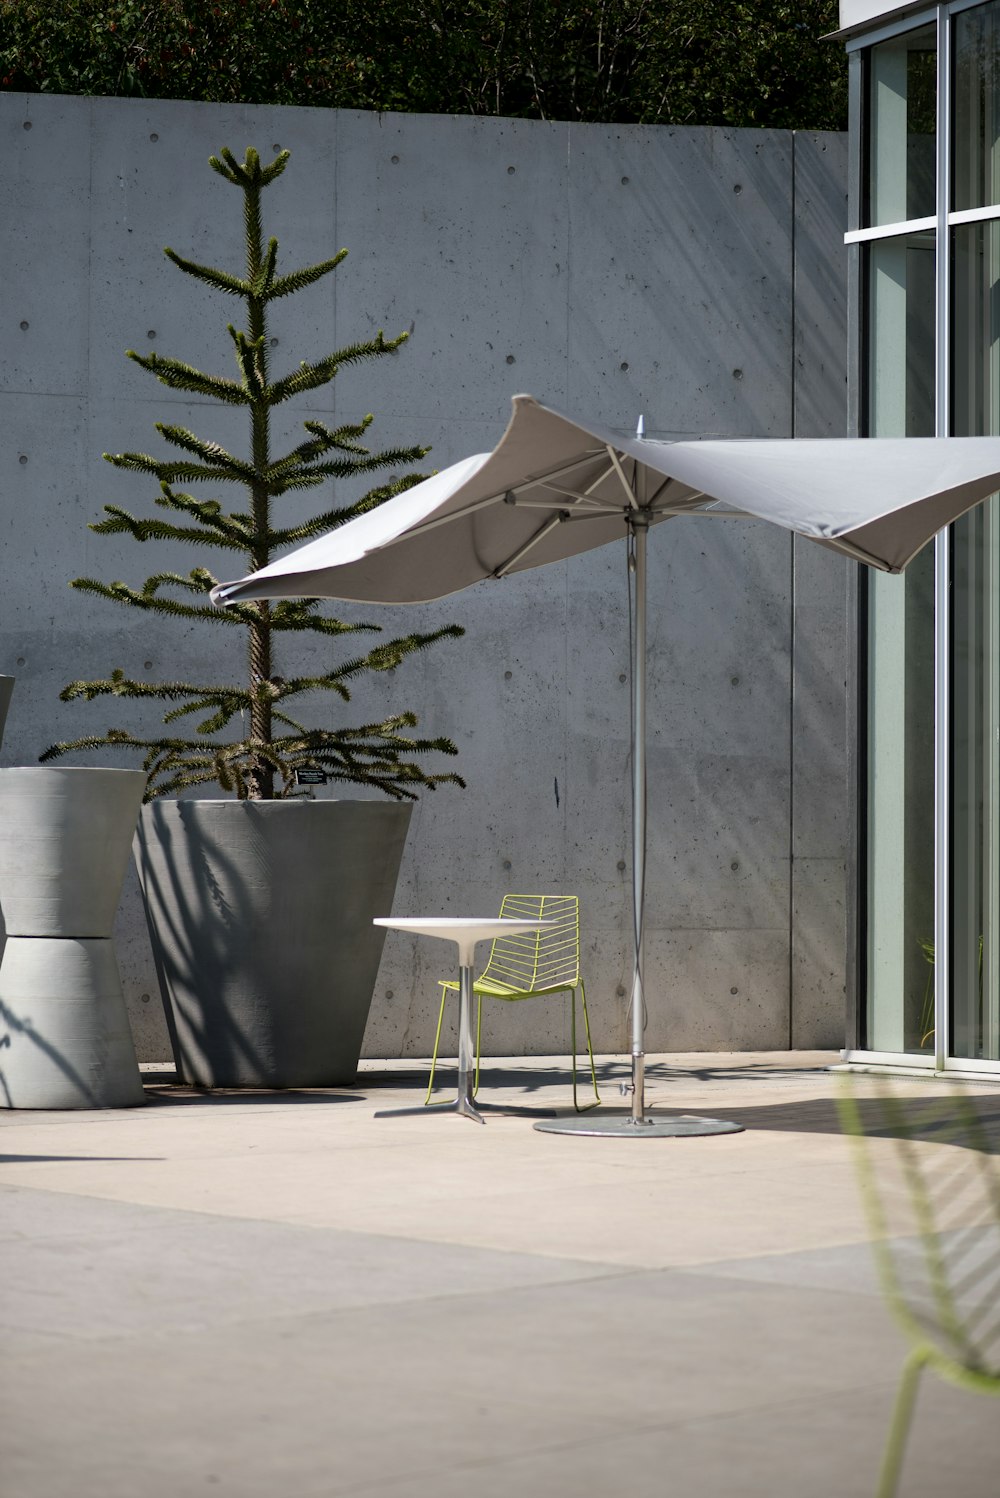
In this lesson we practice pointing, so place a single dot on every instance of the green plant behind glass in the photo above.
(262, 764)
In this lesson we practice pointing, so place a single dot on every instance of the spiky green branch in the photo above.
(263, 763)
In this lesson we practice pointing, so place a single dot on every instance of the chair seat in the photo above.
(494, 990)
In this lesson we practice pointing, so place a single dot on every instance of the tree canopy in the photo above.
(663, 62)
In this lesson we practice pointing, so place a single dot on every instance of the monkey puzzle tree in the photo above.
(263, 764)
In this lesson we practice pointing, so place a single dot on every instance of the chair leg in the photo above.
(899, 1428)
(437, 1042)
(479, 1043)
(590, 1051)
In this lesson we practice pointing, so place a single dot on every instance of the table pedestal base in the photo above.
(464, 1103)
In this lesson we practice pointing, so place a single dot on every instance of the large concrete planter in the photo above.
(260, 914)
(65, 835)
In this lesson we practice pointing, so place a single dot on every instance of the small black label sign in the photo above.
(310, 777)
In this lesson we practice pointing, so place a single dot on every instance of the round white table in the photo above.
(465, 932)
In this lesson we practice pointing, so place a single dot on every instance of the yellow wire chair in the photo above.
(531, 965)
(933, 1204)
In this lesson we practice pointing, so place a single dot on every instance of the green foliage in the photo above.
(667, 62)
(263, 762)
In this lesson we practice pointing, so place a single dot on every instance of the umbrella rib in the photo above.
(558, 473)
(436, 520)
(595, 506)
(533, 541)
(630, 492)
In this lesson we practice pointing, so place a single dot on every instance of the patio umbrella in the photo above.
(555, 486)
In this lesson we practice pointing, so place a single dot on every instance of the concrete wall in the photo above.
(694, 275)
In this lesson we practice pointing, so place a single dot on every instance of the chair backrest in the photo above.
(543, 958)
(930, 1174)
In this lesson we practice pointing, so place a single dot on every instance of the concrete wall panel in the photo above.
(695, 340)
(820, 290)
(521, 260)
(460, 232)
(45, 246)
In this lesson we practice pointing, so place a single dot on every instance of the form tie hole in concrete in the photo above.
(511, 170)
(22, 459)
(510, 358)
(154, 137)
(150, 332)
(24, 327)
(26, 125)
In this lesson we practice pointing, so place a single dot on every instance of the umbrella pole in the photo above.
(636, 1124)
(639, 532)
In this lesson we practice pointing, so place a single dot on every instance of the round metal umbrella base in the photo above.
(624, 1126)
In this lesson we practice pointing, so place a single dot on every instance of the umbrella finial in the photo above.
(640, 426)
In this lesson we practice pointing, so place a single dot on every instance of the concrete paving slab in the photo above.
(273, 1293)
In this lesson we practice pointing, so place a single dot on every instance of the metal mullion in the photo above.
(991, 779)
(974, 215)
(942, 564)
(891, 231)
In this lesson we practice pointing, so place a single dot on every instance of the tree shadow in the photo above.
(181, 1095)
(9, 1159)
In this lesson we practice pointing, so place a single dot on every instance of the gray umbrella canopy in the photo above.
(554, 487)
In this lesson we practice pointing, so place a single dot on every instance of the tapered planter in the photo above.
(64, 845)
(260, 914)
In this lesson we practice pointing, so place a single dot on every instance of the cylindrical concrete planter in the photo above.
(6, 687)
(68, 1039)
(65, 836)
(260, 914)
(64, 845)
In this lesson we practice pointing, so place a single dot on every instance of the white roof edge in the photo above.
(857, 16)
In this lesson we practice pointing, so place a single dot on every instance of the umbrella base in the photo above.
(624, 1126)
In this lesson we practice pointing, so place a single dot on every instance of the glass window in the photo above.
(901, 336)
(975, 658)
(976, 144)
(902, 95)
(899, 989)
(900, 822)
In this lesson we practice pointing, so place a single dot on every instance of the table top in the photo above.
(458, 926)
(464, 930)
